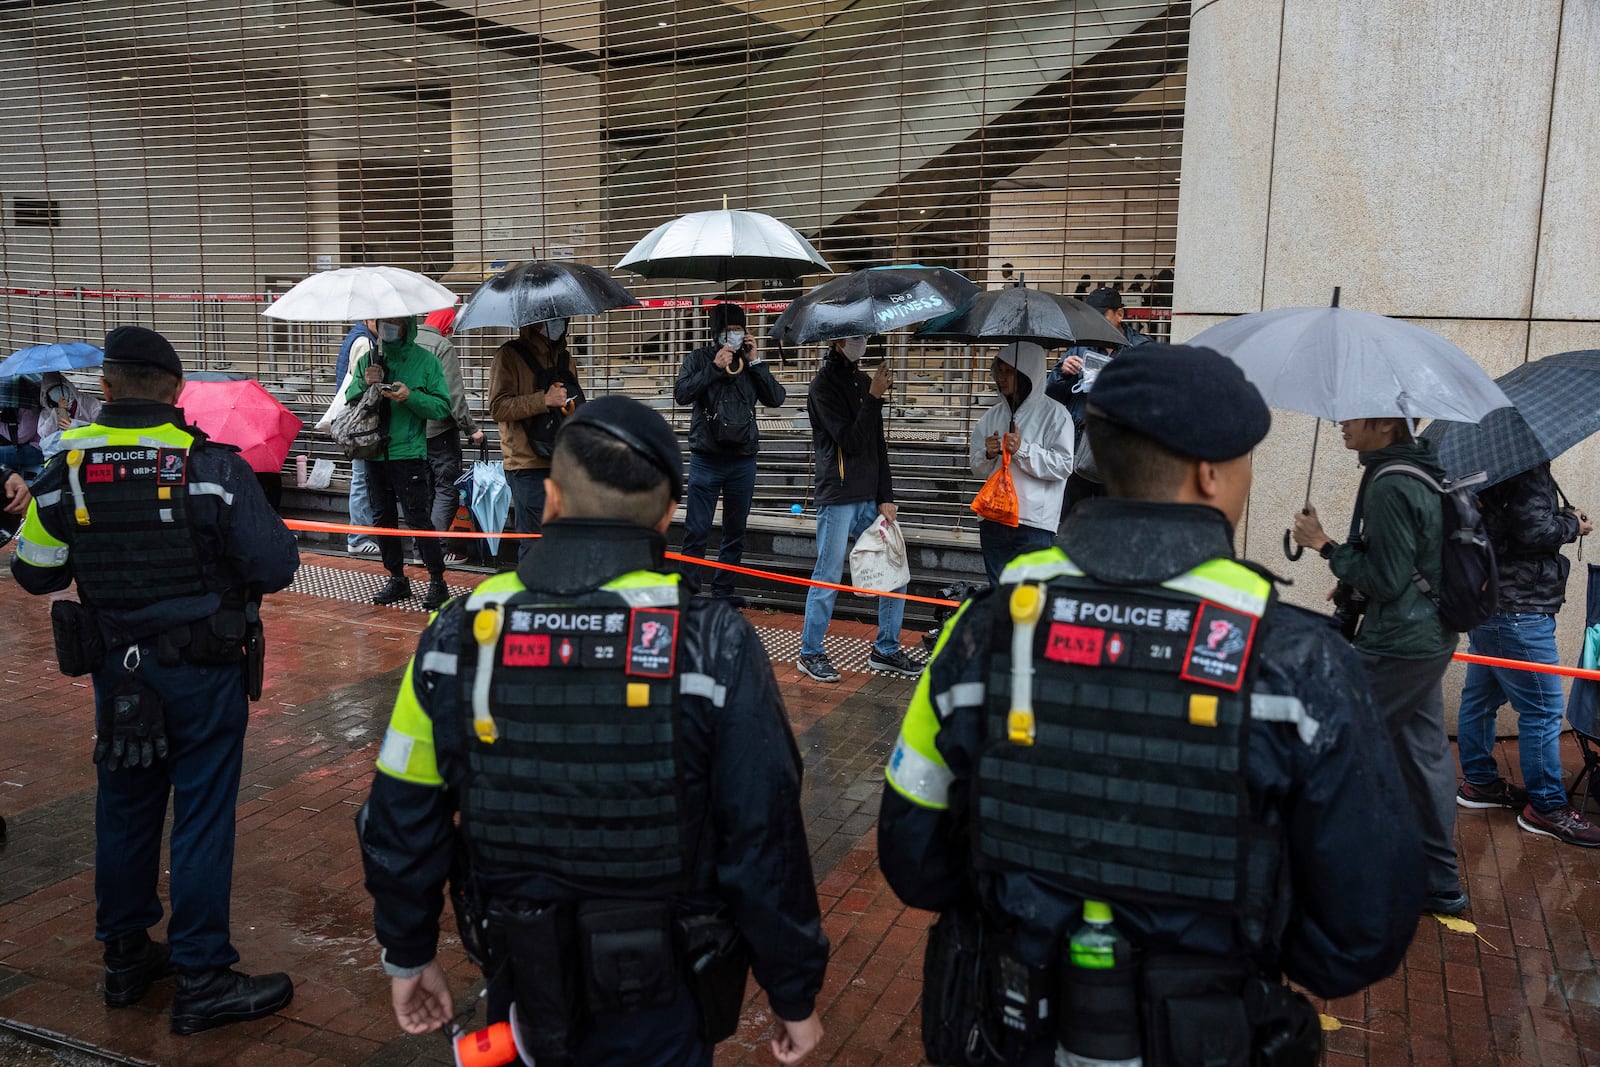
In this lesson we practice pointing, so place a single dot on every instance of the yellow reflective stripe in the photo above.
(35, 546)
(915, 769)
(97, 436)
(1039, 566)
(1225, 582)
(645, 589)
(408, 752)
(496, 590)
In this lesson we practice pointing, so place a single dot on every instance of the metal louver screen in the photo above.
(173, 162)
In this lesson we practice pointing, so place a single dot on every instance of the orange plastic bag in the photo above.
(997, 500)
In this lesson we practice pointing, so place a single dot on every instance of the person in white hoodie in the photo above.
(1037, 432)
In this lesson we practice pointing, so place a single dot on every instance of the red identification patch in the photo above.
(1074, 644)
(1219, 647)
(526, 650)
(652, 642)
(99, 472)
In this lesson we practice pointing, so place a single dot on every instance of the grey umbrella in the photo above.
(540, 290)
(1017, 313)
(1557, 404)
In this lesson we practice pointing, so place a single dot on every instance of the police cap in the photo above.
(1194, 401)
(640, 428)
(137, 345)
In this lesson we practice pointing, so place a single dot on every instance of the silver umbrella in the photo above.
(720, 246)
(540, 290)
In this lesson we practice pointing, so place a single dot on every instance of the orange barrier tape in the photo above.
(384, 531)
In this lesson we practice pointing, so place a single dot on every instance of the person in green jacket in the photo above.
(1404, 645)
(414, 392)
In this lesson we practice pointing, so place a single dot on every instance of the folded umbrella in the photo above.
(719, 246)
(37, 359)
(1017, 313)
(491, 499)
(243, 414)
(872, 301)
(541, 290)
(350, 294)
(1556, 404)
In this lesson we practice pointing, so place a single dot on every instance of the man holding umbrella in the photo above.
(532, 390)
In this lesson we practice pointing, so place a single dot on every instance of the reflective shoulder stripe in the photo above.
(1228, 583)
(437, 662)
(210, 489)
(1272, 707)
(915, 769)
(37, 555)
(408, 752)
(1040, 566)
(960, 695)
(703, 685)
(85, 437)
(50, 499)
(923, 781)
(98, 436)
(645, 589)
(496, 590)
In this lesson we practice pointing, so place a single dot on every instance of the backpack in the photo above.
(1469, 587)
(731, 415)
(359, 429)
(542, 428)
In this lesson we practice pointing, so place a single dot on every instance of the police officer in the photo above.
(1133, 718)
(172, 545)
(626, 780)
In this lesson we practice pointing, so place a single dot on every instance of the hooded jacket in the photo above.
(414, 365)
(1528, 525)
(847, 436)
(1040, 466)
(1402, 533)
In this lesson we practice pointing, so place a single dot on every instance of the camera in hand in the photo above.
(1349, 604)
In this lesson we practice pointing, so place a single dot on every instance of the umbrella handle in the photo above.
(1290, 549)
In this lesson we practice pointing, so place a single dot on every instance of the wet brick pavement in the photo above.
(1524, 990)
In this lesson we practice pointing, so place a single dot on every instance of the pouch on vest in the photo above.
(1195, 1011)
(1097, 1017)
(539, 946)
(955, 989)
(718, 962)
(628, 964)
(80, 646)
(1022, 995)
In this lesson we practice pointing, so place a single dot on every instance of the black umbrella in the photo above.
(540, 290)
(1017, 313)
(1556, 404)
(872, 301)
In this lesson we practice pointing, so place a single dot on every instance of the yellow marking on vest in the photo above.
(486, 631)
(486, 627)
(1020, 727)
(80, 510)
(164, 493)
(638, 694)
(1202, 710)
(1027, 606)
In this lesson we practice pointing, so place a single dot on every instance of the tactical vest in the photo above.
(1116, 735)
(127, 497)
(571, 719)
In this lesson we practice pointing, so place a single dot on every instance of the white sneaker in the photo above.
(366, 548)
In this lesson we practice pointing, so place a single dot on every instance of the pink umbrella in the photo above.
(243, 414)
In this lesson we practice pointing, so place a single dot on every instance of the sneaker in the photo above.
(1497, 794)
(1564, 824)
(454, 559)
(1444, 903)
(366, 548)
(817, 667)
(436, 595)
(397, 588)
(896, 662)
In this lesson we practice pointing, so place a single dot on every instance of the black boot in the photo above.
(436, 595)
(133, 964)
(397, 588)
(205, 999)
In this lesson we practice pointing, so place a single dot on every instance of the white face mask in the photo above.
(733, 338)
(854, 348)
(554, 328)
(389, 332)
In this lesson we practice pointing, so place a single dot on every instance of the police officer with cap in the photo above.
(629, 840)
(1133, 744)
(172, 545)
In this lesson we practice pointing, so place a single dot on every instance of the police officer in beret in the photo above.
(629, 841)
(1133, 744)
(172, 545)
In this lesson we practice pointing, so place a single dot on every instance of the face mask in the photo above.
(390, 332)
(734, 339)
(855, 348)
(554, 328)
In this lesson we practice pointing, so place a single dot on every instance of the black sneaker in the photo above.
(1497, 794)
(896, 662)
(1564, 824)
(436, 595)
(394, 590)
(817, 667)
(1444, 903)
(207, 999)
(133, 964)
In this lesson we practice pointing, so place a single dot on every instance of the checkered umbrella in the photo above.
(1556, 404)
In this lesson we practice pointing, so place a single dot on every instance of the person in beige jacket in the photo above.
(532, 389)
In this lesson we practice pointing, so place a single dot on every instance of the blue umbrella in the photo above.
(72, 355)
(491, 499)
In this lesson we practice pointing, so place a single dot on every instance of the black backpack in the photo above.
(1469, 587)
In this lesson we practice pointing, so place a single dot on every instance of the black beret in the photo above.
(135, 344)
(640, 428)
(1195, 401)
(725, 315)
(1104, 298)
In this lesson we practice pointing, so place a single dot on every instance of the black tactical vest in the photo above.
(132, 545)
(581, 781)
(1133, 787)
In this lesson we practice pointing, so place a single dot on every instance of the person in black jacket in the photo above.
(853, 487)
(1528, 522)
(723, 381)
(577, 744)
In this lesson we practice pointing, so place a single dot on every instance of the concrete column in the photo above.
(1436, 160)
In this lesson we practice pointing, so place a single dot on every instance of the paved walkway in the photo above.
(1523, 990)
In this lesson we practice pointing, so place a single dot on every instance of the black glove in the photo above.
(132, 726)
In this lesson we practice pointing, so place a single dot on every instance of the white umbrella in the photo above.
(720, 246)
(353, 293)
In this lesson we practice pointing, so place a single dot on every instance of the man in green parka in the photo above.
(414, 392)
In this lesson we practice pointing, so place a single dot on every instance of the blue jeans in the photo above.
(360, 504)
(838, 526)
(206, 715)
(1002, 544)
(733, 480)
(527, 504)
(1536, 698)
